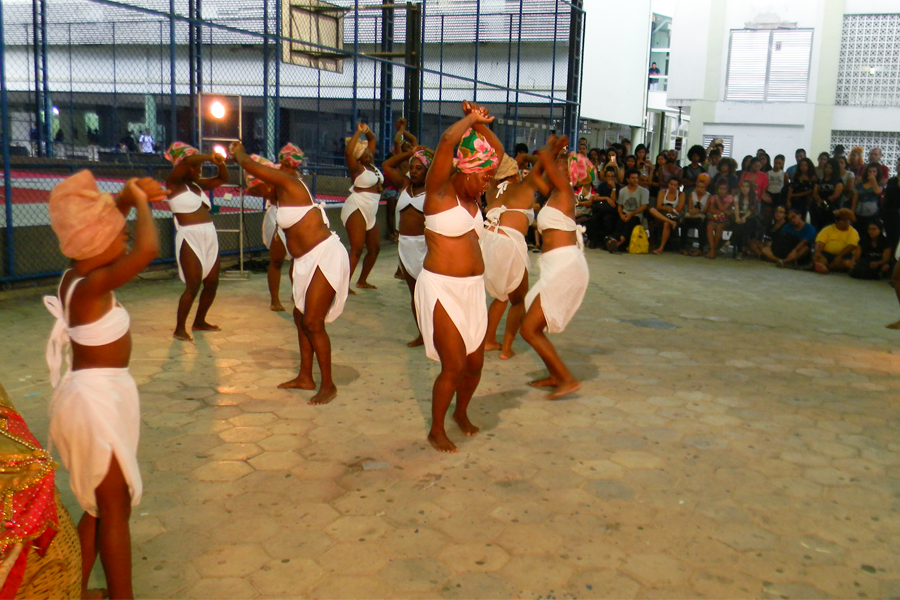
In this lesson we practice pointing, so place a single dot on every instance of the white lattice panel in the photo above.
(888, 142)
(869, 65)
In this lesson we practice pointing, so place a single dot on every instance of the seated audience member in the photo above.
(655, 173)
(745, 166)
(826, 195)
(524, 160)
(835, 244)
(793, 244)
(727, 168)
(695, 216)
(773, 194)
(820, 168)
(799, 156)
(847, 178)
(690, 173)
(668, 211)
(667, 171)
(770, 232)
(643, 165)
(604, 210)
(631, 162)
(866, 193)
(755, 175)
(712, 161)
(872, 258)
(746, 213)
(632, 201)
(803, 182)
(718, 215)
(875, 159)
(765, 162)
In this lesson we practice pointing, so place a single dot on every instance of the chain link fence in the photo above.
(108, 85)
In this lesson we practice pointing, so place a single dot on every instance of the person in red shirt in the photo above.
(755, 175)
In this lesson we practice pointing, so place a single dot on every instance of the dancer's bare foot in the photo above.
(546, 382)
(465, 425)
(658, 251)
(276, 306)
(184, 336)
(564, 388)
(365, 285)
(204, 326)
(442, 443)
(300, 382)
(325, 395)
(95, 594)
(416, 342)
(351, 292)
(893, 325)
(712, 254)
(398, 274)
(491, 346)
(507, 353)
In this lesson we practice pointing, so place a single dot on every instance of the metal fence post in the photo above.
(477, 37)
(7, 171)
(573, 84)
(173, 99)
(48, 119)
(518, 72)
(553, 64)
(36, 52)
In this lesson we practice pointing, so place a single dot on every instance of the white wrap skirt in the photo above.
(95, 414)
(412, 250)
(366, 203)
(203, 240)
(463, 299)
(330, 257)
(505, 261)
(270, 228)
(563, 282)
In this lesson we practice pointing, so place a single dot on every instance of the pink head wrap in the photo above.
(291, 154)
(178, 151)
(475, 154)
(249, 179)
(580, 168)
(85, 220)
(424, 156)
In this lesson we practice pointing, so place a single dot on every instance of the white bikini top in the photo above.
(287, 216)
(107, 329)
(188, 201)
(493, 215)
(367, 179)
(553, 218)
(668, 202)
(455, 222)
(405, 200)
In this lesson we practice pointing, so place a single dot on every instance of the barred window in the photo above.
(768, 65)
(889, 142)
(727, 142)
(869, 68)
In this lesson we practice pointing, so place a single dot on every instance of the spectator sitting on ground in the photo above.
(835, 244)
(632, 201)
(668, 211)
(793, 244)
(872, 258)
(746, 211)
(756, 247)
(718, 214)
(695, 217)
(691, 172)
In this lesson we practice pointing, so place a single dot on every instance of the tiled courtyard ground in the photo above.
(736, 436)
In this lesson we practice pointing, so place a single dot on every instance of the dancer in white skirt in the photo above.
(510, 211)
(272, 235)
(95, 411)
(321, 272)
(196, 241)
(450, 301)
(558, 294)
(360, 210)
(410, 215)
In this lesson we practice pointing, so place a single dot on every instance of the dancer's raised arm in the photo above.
(442, 167)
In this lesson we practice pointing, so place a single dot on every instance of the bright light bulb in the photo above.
(54, 110)
(220, 150)
(217, 109)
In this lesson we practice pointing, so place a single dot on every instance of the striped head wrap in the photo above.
(291, 154)
(178, 151)
(249, 179)
(475, 154)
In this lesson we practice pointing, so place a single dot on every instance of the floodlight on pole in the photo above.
(217, 109)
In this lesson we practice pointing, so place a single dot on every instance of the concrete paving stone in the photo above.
(474, 557)
(222, 470)
(415, 574)
(350, 587)
(478, 586)
(602, 583)
(247, 435)
(231, 560)
(654, 569)
(287, 578)
(414, 542)
(221, 587)
(354, 558)
(233, 452)
(164, 579)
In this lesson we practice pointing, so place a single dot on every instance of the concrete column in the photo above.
(823, 95)
(704, 111)
(150, 115)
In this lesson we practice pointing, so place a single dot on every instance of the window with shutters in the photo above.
(727, 141)
(768, 65)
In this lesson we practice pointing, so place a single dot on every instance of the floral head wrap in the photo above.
(704, 177)
(85, 220)
(178, 151)
(424, 156)
(475, 154)
(249, 179)
(580, 168)
(292, 155)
